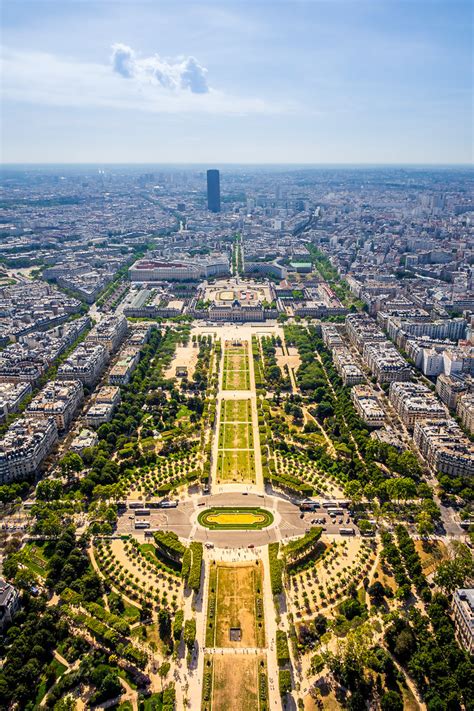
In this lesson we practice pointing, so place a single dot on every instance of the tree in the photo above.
(190, 633)
(391, 701)
(404, 644)
(49, 490)
(454, 573)
(164, 624)
(163, 671)
(284, 681)
(65, 704)
(376, 591)
(25, 579)
(71, 464)
(401, 489)
(324, 410)
(353, 490)
(424, 524)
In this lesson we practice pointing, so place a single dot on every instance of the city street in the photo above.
(183, 520)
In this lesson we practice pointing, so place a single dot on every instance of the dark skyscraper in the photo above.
(213, 191)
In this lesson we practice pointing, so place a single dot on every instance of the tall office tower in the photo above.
(213, 191)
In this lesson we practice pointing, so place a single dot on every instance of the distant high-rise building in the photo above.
(213, 191)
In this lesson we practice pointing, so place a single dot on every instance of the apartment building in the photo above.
(465, 411)
(351, 374)
(445, 447)
(84, 440)
(361, 329)
(140, 335)
(98, 414)
(29, 358)
(110, 333)
(379, 354)
(331, 336)
(413, 402)
(25, 446)
(458, 360)
(450, 387)
(86, 363)
(11, 397)
(463, 612)
(60, 399)
(121, 372)
(9, 603)
(345, 365)
(109, 395)
(452, 329)
(367, 405)
(385, 362)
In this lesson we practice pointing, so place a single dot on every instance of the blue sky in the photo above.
(273, 81)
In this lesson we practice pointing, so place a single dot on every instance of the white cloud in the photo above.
(194, 77)
(182, 73)
(150, 84)
(123, 60)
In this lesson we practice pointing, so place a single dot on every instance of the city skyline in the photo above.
(233, 440)
(315, 83)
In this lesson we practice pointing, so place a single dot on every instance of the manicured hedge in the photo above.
(284, 681)
(186, 566)
(115, 621)
(299, 547)
(194, 577)
(276, 569)
(178, 625)
(169, 544)
(292, 484)
(190, 633)
(282, 649)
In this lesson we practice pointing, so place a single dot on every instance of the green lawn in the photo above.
(236, 380)
(236, 465)
(236, 368)
(235, 683)
(235, 435)
(236, 411)
(235, 601)
(33, 557)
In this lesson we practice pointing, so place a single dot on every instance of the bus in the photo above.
(168, 504)
(335, 512)
(347, 531)
(142, 512)
(142, 524)
(135, 505)
(309, 506)
(335, 504)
